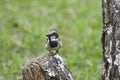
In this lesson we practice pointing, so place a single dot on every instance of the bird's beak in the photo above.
(48, 35)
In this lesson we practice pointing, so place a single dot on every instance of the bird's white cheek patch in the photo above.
(52, 38)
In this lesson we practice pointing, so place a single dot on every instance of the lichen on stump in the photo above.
(47, 67)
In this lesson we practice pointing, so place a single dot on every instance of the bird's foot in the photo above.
(50, 52)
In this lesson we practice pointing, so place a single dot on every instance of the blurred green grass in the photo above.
(24, 24)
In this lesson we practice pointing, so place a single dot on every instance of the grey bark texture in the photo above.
(111, 39)
(47, 67)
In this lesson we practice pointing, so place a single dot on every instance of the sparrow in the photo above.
(53, 41)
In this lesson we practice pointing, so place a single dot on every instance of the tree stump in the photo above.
(111, 39)
(47, 67)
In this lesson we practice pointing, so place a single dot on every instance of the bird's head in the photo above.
(53, 33)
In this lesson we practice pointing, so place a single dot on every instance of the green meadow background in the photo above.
(24, 24)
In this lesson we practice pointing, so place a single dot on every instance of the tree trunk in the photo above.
(111, 39)
(47, 67)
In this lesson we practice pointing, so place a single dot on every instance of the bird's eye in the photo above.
(55, 34)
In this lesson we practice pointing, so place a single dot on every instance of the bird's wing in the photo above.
(60, 42)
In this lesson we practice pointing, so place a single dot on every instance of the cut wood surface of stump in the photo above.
(47, 67)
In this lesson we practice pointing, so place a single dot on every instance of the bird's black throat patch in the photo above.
(53, 44)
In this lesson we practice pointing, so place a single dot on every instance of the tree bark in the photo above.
(111, 39)
(47, 67)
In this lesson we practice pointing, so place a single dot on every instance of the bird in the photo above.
(53, 43)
